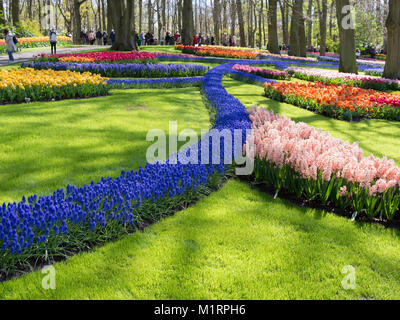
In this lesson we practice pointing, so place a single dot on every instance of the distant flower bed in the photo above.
(279, 56)
(126, 70)
(36, 42)
(334, 77)
(225, 52)
(156, 83)
(75, 59)
(313, 165)
(270, 74)
(342, 102)
(27, 84)
(100, 57)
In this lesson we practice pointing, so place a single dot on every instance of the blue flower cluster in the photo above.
(122, 201)
(362, 66)
(145, 70)
(156, 83)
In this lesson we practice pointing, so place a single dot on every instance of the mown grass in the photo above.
(238, 243)
(46, 145)
(378, 137)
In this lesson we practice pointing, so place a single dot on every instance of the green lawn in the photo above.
(45, 146)
(236, 244)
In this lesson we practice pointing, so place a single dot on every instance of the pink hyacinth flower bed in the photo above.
(310, 163)
(266, 73)
(331, 76)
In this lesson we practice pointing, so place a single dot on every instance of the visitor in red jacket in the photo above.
(195, 40)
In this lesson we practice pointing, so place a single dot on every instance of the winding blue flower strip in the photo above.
(39, 219)
(148, 70)
(156, 83)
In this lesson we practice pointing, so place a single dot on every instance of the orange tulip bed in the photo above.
(222, 52)
(343, 102)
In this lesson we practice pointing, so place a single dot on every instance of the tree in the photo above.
(15, 11)
(124, 24)
(309, 23)
(347, 49)
(187, 22)
(241, 23)
(322, 16)
(217, 21)
(77, 25)
(285, 21)
(392, 66)
(273, 45)
(2, 16)
(297, 30)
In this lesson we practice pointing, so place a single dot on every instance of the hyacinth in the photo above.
(271, 74)
(331, 74)
(308, 151)
(157, 83)
(37, 219)
(148, 70)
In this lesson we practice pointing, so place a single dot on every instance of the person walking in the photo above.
(142, 39)
(53, 40)
(11, 47)
(195, 40)
(99, 37)
(105, 37)
(112, 36)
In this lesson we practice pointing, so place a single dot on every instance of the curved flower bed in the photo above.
(313, 165)
(78, 217)
(269, 74)
(334, 77)
(342, 102)
(156, 83)
(27, 84)
(125, 70)
(225, 52)
(100, 57)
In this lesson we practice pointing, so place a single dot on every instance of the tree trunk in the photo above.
(273, 45)
(233, 16)
(99, 13)
(285, 22)
(77, 26)
(124, 23)
(15, 11)
(322, 15)
(297, 36)
(103, 12)
(187, 22)
(241, 23)
(347, 49)
(309, 23)
(392, 66)
(260, 22)
(217, 21)
(150, 17)
(2, 16)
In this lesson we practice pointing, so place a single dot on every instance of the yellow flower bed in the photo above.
(26, 84)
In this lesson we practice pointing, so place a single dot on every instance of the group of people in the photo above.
(210, 40)
(89, 37)
(165, 39)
